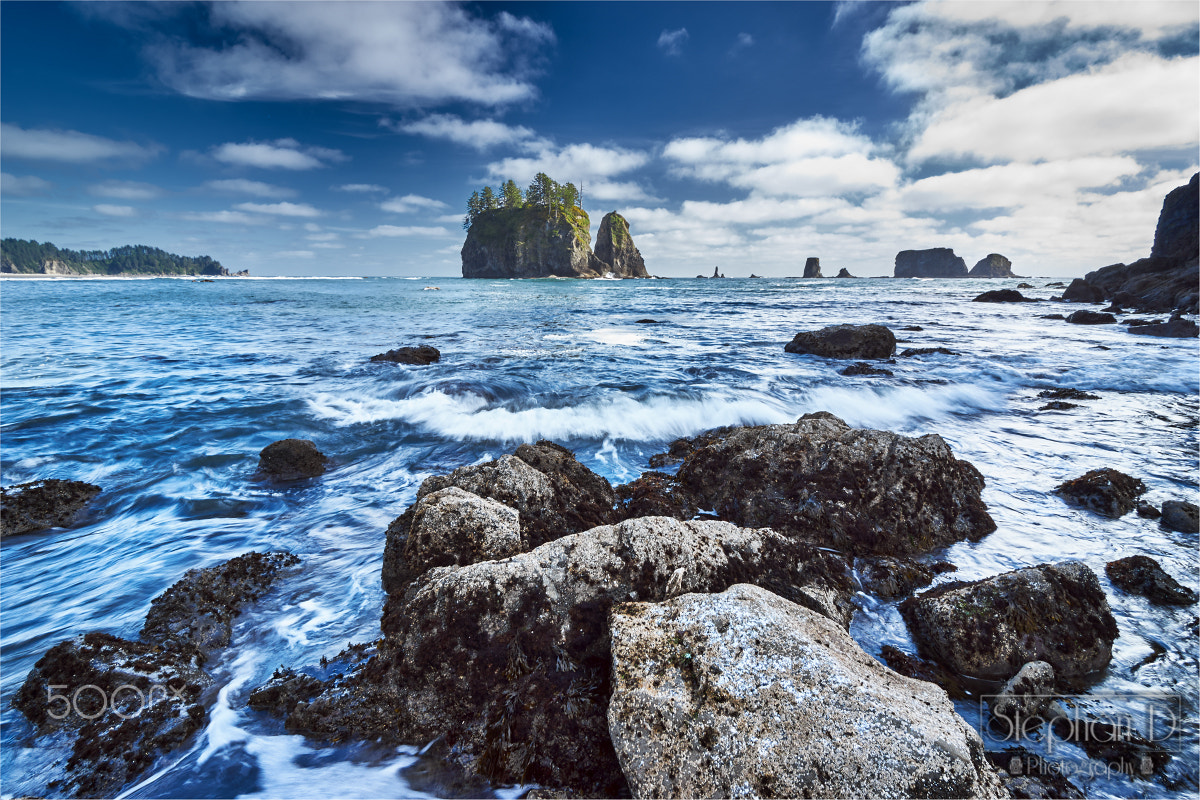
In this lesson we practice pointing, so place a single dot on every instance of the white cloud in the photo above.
(280, 154)
(671, 42)
(125, 190)
(254, 188)
(410, 203)
(284, 209)
(115, 211)
(479, 134)
(69, 146)
(23, 185)
(361, 188)
(405, 54)
(407, 230)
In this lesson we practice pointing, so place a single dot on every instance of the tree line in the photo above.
(544, 192)
(20, 255)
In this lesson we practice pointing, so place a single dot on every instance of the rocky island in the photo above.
(29, 257)
(544, 233)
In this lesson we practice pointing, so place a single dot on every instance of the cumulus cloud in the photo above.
(23, 185)
(283, 209)
(407, 230)
(671, 42)
(279, 154)
(405, 54)
(253, 188)
(125, 190)
(479, 134)
(115, 211)
(72, 147)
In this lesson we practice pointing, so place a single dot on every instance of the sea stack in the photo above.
(936, 262)
(812, 268)
(994, 266)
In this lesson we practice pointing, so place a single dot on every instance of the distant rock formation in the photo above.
(994, 266)
(845, 273)
(614, 246)
(936, 262)
(812, 268)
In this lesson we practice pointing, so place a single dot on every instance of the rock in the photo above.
(1145, 576)
(863, 368)
(1059, 405)
(1082, 317)
(1003, 296)
(812, 268)
(615, 248)
(926, 351)
(845, 341)
(892, 577)
(292, 459)
(937, 262)
(743, 694)
(452, 527)
(420, 355)
(1176, 328)
(510, 660)
(844, 273)
(860, 491)
(1105, 491)
(1080, 291)
(1181, 516)
(655, 494)
(1067, 394)
(993, 266)
(989, 628)
(1148, 511)
(1027, 694)
(912, 667)
(38, 505)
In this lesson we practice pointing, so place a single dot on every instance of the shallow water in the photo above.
(163, 392)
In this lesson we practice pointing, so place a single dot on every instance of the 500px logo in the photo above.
(91, 701)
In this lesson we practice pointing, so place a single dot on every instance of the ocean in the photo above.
(163, 392)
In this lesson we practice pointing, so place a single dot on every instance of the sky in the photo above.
(343, 138)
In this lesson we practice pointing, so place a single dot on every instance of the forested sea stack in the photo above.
(543, 233)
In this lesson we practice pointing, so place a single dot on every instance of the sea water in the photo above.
(163, 392)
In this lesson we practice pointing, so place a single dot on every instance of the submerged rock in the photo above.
(993, 265)
(420, 355)
(1003, 296)
(743, 694)
(845, 341)
(1145, 576)
(1181, 516)
(1105, 491)
(38, 505)
(860, 491)
(937, 262)
(812, 268)
(292, 459)
(989, 628)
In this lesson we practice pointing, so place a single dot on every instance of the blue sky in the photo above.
(343, 138)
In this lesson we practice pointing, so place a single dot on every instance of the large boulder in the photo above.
(292, 459)
(743, 694)
(861, 491)
(38, 505)
(615, 247)
(989, 628)
(845, 341)
(936, 262)
(509, 660)
(812, 268)
(993, 265)
(1106, 491)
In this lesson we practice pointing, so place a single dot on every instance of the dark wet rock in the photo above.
(1105, 491)
(893, 577)
(292, 459)
(1145, 576)
(1002, 296)
(1117, 745)
(927, 351)
(1067, 394)
(1052, 316)
(420, 355)
(863, 368)
(705, 704)
(993, 265)
(844, 273)
(655, 494)
(38, 505)
(1091, 318)
(1181, 516)
(1176, 328)
(283, 691)
(1080, 291)
(845, 341)
(510, 660)
(860, 491)
(1148, 511)
(913, 667)
(812, 268)
(937, 262)
(1058, 405)
(197, 612)
(1028, 776)
(1027, 694)
(615, 248)
(990, 628)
